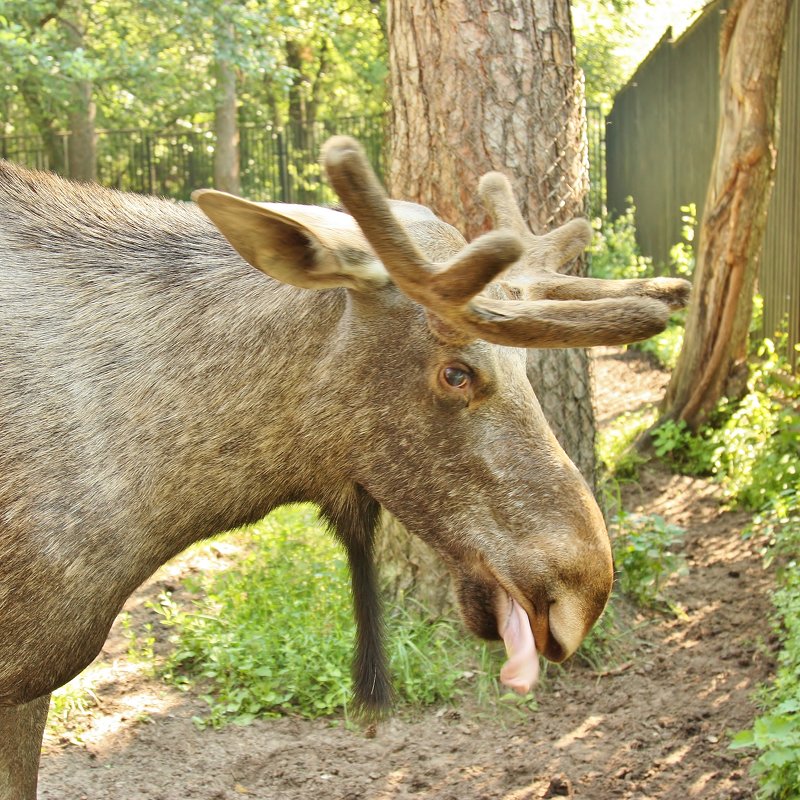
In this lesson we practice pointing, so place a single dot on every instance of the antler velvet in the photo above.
(557, 310)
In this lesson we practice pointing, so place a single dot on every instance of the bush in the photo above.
(645, 557)
(749, 445)
(613, 252)
(752, 449)
(776, 734)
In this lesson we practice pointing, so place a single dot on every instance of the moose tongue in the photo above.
(521, 670)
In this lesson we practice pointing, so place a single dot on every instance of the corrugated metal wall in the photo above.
(780, 267)
(660, 140)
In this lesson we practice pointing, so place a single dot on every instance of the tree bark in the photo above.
(712, 362)
(479, 86)
(226, 126)
(82, 142)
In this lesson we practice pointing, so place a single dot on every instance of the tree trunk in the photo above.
(712, 362)
(226, 126)
(82, 144)
(478, 88)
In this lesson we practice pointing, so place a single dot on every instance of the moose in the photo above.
(155, 389)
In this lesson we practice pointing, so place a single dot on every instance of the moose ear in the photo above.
(306, 246)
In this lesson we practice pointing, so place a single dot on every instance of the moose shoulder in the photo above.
(156, 389)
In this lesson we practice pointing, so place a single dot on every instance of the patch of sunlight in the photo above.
(717, 684)
(107, 729)
(589, 724)
(391, 787)
(698, 788)
(81, 711)
(722, 700)
(534, 789)
(652, 21)
(676, 756)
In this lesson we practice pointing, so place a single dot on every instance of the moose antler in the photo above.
(537, 271)
(450, 292)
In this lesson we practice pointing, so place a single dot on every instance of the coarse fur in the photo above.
(156, 389)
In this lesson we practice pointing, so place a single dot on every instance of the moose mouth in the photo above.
(521, 671)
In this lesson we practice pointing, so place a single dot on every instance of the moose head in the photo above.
(443, 427)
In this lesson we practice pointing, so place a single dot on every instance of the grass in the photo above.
(615, 443)
(274, 634)
(70, 707)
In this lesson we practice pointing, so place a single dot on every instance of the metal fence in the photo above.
(661, 137)
(276, 163)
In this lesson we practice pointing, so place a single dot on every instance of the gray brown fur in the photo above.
(156, 389)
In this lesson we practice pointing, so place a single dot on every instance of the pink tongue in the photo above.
(521, 670)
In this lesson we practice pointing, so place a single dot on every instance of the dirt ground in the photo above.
(655, 726)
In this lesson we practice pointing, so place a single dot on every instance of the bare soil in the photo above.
(655, 725)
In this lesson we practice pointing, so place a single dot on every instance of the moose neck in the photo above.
(186, 380)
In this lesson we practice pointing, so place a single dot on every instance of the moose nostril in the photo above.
(554, 650)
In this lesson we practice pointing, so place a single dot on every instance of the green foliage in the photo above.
(141, 643)
(681, 254)
(686, 453)
(604, 645)
(665, 347)
(644, 554)
(152, 63)
(614, 446)
(69, 706)
(613, 252)
(612, 38)
(275, 634)
(751, 446)
(776, 734)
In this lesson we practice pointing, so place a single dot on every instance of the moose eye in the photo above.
(456, 377)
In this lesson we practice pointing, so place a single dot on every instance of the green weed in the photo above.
(758, 462)
(275, 634)
(69, 706)
(750, 446)
(776, 734)
(613, 252)
(141, 643)
(645, 556)
(666, 346)
(614, 446)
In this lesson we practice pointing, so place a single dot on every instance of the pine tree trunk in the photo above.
(476, 89)
(226, 126)
(712, 362)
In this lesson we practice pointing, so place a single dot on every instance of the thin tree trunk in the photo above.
(480, 86)
(712, 362)
(82, 147)
(226, 126)
(82, 143)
